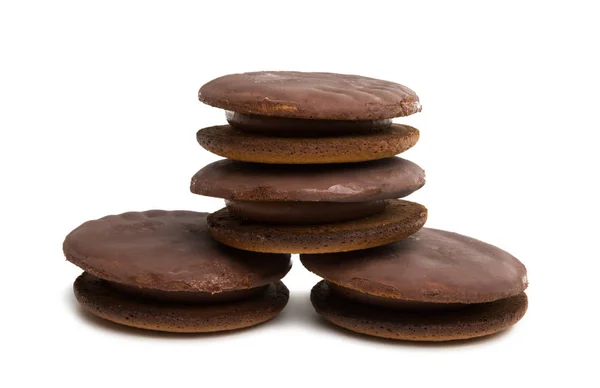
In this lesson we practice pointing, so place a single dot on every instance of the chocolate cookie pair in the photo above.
(311, 169)
(432, 286)
(161, 270)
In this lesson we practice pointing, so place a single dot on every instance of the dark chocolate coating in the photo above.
(325, 96)
(303, 213)
(351, 182)
(472, 321)
(169, 251)
(430, 266)
(283, 127)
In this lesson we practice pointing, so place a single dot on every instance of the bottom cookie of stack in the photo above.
(398, 219)
(417, 325)
(432, 286)
(102, 299)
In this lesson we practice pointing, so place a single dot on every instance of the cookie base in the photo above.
(99, 298)
(399, 220)
(230, 143)
(474, 321)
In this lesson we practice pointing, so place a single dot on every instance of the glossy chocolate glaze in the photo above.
(303, 213)
(387, 178)
(168, 251)
(430, 266)
(314, 96)
(288, 127)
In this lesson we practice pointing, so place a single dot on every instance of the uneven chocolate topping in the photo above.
(430, 266)
(186, 296)
(302, 213)
(169, 251)
(326, 96)
(281, 126)
(348, 182)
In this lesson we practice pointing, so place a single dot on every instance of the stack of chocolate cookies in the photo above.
(311, 169)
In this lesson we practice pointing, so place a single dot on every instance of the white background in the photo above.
(98, 115)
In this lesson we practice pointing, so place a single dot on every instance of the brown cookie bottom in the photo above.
(473, 321)
(398, 220)
(230, 143)
(99, 298)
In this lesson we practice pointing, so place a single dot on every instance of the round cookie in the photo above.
(350, 182)
(228, 142)
(399, 220)
(168, 251)
(469, 322)
(99, 298)
(301, 95)
(430, 266)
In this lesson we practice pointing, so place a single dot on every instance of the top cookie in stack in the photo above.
(305, 118)
(312, 164)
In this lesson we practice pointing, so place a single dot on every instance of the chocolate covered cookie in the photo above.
(433, 285)
(312, 164)
(299, 95)
(349, 182)
(167, 258)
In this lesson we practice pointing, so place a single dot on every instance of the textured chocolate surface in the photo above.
(282, 126)
(302, 213)
(430, 266)
(167, 250)
(295, 94)
(473, 321)
(350, 182)
(228, 142)
(400, 219)
(104, 301)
